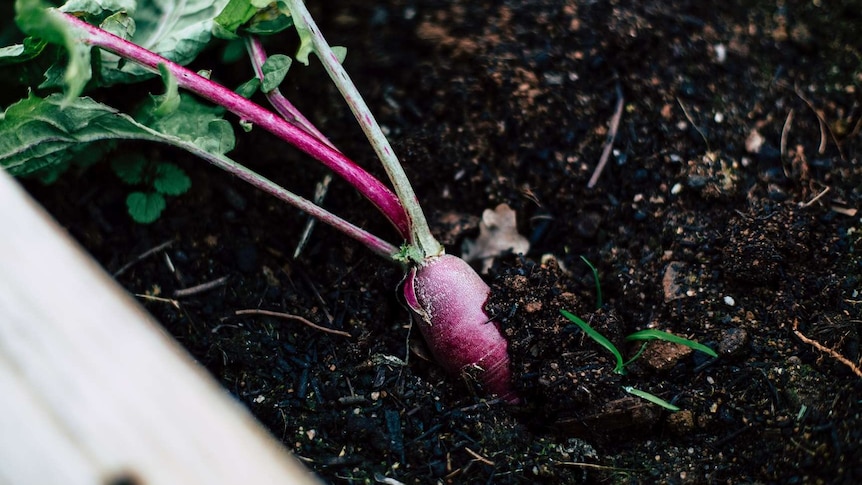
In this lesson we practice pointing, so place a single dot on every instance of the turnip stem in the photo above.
(285, 108)
(421, 236)
(372, 242)
(379, 195)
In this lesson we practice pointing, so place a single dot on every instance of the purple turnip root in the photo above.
(449, 297)
(443, 290)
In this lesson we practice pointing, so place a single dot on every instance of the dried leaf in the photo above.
(498, 233)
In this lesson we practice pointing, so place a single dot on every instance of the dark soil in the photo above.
(696, 227)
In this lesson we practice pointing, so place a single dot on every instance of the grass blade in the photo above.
(598, 283)
(651, 398)
(652, 334)
(595, 335)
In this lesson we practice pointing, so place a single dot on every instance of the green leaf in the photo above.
(34, 19)
(98, 8)
(652, 334)
(274, 70)
(176, 30)
(198, 123)
(145, 207)
(234, 14)
(169, 102)
(596, 279)
(248, 88)
(130, 169)
(305, 45)
(340, 53)
(29, 49)
(651, 398)
(604, 342)
(171, 179)
(36, 134)
(120, 24)
(262, 24)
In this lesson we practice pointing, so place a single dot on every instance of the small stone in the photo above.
(660, 355)
(720, 53)
(681, 423)
(670, 281)
(729, 301)
(533, 306)
(733, 341)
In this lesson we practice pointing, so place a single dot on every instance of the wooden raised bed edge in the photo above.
(92, 390)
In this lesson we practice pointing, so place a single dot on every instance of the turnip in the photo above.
(443, 291)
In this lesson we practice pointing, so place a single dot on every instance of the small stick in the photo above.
(595, 466)
(479, 457)
(159, 299)
(319, 194)
(824, 127)
(832, 353)
(200, 288)
(609, 143)
(141, 257)
(297, 318)
(785, 130)
(691, 120)
(803, 205)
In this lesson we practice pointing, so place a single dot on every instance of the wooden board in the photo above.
(92, 391)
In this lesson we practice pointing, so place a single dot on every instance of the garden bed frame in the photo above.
(93, 391)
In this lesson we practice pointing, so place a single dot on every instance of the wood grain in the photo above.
(92, 391)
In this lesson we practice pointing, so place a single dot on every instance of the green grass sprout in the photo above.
(652, 334)
(642, 335)
(651, 398)
(595, 335)
(598, 283)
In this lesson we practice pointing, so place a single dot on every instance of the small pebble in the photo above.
(733, 341)
(720, 53)
(729, 301)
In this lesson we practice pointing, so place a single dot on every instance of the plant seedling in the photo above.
(643, 335)
(122, 42)
(159, 178)
(596, 279)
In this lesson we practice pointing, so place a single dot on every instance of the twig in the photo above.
(141, 257)
(296, 318)
(803, 205)
(159, 299)
(595, 466)
(691, 120)
(832, 353)
(200, 288)
(609, 143)
(319, 194)
(479, 457)
(824, 127)
(785, 130)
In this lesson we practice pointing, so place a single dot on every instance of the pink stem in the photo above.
(379, 195)
(281, 104)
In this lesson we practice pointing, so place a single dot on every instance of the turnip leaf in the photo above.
(274, 70)
(32, 18)
(36, 134)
